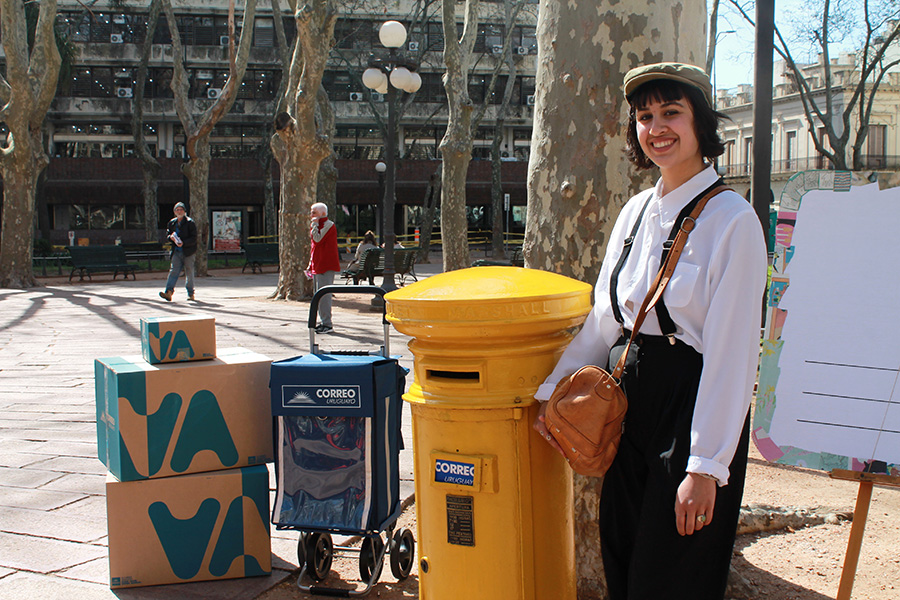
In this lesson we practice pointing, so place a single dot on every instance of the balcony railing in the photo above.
(794, 165)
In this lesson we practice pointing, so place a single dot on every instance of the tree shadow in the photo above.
(764, 583)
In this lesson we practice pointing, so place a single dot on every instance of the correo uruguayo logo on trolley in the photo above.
(325, 396)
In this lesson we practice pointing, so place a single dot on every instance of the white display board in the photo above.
(828, 395)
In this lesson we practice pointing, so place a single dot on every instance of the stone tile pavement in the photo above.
(52, 502)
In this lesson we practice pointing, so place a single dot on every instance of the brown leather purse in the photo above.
(586, 413)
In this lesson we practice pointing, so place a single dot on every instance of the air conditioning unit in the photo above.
(213, 93)
(119, 19)
(529, 100)
(123, 92)
(115, 38)
(376, 97)
(496, 49)
(522, 50)
(413, 46)
(223, 40)
(356, 97)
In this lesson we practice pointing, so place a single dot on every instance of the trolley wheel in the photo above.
(301, 549)
(403, 552)
(319, 554)
(369, 553)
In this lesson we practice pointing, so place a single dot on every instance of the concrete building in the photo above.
(92, 186)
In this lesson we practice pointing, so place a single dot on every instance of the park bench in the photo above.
(96, 259)
(404, 264)
(371, 264)
(258, 255)
(145, 251)
(515, 260)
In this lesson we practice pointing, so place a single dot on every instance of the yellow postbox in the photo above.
(493, 500)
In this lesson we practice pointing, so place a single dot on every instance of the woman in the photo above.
(671, 498)
(367, 243)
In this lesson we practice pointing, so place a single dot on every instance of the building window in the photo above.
(748, 154)
(876, 150)
(823, 140)
(790, 151)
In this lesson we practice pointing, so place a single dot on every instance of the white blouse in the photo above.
(714, 298)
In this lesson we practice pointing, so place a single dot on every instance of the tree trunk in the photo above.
(269, 216)
(16, 240)
(298, 193)
(496, 162)
(578, 176)
(198, 130)
(301, 143)
(149, 165)
(497, 194)
(27, 87)
(456, 146)
(149, 189)
(456, 152)
(426, 225)
(197, 172)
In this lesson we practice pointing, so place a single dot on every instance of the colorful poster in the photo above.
(226, 230)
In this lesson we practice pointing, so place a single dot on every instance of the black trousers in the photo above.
(643, 555)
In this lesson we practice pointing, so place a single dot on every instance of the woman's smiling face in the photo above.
(665, 131)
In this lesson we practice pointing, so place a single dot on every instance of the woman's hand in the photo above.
(694, 503)
(541, 427)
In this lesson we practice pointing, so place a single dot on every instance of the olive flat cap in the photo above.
(684, 73)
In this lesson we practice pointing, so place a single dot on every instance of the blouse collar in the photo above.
(671, 204)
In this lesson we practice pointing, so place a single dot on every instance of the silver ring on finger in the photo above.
(701, 519)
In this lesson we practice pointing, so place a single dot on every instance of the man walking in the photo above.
(182, 231)
(324, 260)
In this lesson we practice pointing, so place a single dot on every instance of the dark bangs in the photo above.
(706, 120)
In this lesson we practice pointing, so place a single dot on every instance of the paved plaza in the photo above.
(53, 535)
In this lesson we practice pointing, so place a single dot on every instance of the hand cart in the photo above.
(337, 419)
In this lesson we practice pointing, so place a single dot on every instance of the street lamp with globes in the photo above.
(386, 77)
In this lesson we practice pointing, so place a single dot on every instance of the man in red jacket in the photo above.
(324, 260)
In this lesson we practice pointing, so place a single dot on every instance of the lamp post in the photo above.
(387, 77)
(380, 167)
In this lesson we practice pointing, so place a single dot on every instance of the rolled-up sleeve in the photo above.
(731, 333)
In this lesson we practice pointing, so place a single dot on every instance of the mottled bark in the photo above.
(150, 167)
(26, 92)
(456, 146)
(301, 144)
(198, 130)
(578, 176)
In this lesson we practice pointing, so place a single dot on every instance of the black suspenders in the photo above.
(666, 324)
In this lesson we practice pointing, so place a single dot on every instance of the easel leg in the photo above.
(860, 514)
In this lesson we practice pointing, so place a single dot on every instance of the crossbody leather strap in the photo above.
(665, 274)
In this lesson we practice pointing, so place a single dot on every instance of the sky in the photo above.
(734, 53)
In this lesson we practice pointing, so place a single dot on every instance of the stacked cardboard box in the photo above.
(185, 432)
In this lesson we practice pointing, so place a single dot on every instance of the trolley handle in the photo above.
(346, 289)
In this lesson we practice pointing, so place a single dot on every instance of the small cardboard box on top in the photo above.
(190, 528)
(178, 339)
(178, 418)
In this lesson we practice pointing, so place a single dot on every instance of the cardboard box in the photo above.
(189, 528)
(178, 418)
(177, 339)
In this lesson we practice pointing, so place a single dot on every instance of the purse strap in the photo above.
(665, 274)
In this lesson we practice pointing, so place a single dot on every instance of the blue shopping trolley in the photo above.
(337, 419)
